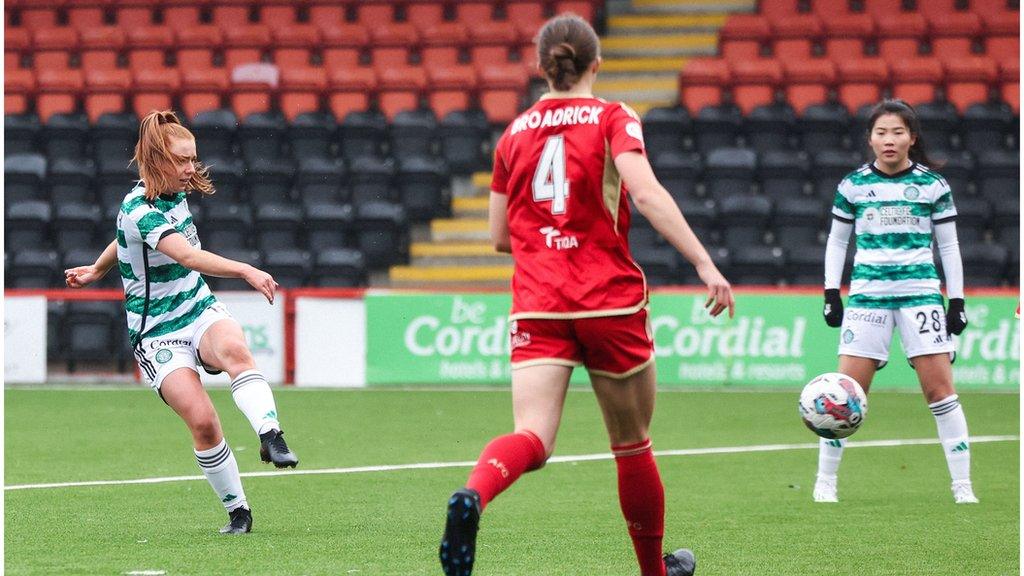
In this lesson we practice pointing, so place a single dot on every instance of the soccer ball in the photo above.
(833, 405)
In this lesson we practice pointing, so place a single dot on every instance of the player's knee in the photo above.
(205, 429)
(236, 356)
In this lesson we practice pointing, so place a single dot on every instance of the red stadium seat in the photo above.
(148, 46)
(301, 89)
(293, 44)
(129, 17)
(181, 17)
(779, 8)
(472, 13)
(155, 89)
(525, 14)
(326, 14)
(953, 34)
(202, 89)
(584, 9)
(391, 43)
(742, 36)
(85, 17)
(197, 44)
(252, 88)
(342, 45)
(969, 79)
(915, 79)
(451, 88)
(861, 82)
(882, 9)
(1009, 78)
(17, 44)
(100, 47)
(424, 14)
(105, 91)
(245, 44)
(442, 43)
(808, 82)
(53, 47)
(702, 82)
(794, 36)
(1002, 40)
(933, 8)
(993, 8)
(229, 16)
(58, 92)
(900, 35)
(350, 90)
(847, 34)
(19, 86)
(374, 14)
(501, 89)
(491, 41)
(400, 88)
(38, 18)
(829, 8)
(277, 15)
(755, 83)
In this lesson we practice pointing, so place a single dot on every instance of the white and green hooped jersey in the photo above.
(893, 216)
(160, 295)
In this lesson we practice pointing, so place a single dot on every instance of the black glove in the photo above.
(956, 318)
(833, 311)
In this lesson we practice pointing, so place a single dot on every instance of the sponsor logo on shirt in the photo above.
(897, 216)
(865, 316)
(553, 239)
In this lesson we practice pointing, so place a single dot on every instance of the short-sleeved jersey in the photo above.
(160, 295)
(894, 215)
(568, 213)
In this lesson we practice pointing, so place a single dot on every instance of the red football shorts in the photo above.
(616, 346)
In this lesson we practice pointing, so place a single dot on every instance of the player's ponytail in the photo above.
(156, 162)
(566, 47)
(906, 113)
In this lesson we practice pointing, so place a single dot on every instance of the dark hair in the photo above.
(566, 46)
(906, 113)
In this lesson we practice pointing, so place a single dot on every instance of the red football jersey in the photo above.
(567, 209)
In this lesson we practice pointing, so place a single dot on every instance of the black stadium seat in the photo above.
(678, 172)
(754, 264)
(262, 135)
(321, 179)
(226, 226)
(717, 127)
(665, 128)
(829, 167)
(278, 225)
(21, 133)
(93, 331)
(290, 267)
(783, 173)
(312, 135)
(957, 168)
(228, 176)
(985, 126)
(730, 171)
(998, 174)
(75, 224)
(660, 264)
(824, 126)
(114, 137)
(329, 225)
(744, 219)
(362, 134)
(33, 268)
(27, 225)
(940, 125)
(972, 219)
(805, 265)
(412, 133)
(422, 187)
(463, 135)
(72, 180)
(701, 215)
(215, 133)
(984, 264)
(382, 233)
(114, 180)
(24, 175)
(251, 257)
(269, 180)
(371, 179)
(66, 136)
(798, 221)
(339, 267)
(770, 127)
(84, 255)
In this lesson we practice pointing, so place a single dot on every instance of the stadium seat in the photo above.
(984, 264)
(382, 233)
(229, 15)
(798, 222)
(66, 136)
(24, 175)
(701, 215)
(770, 127)
(424, 14)
(293, 44)
(362, 134)
(412, 133)
(665, 127)
(329, 225)
(261, 136)
(777, 8)
(452, 87)
(252, 87)
(422, 187)
(215, 133)
(327, 15)
(226, 226)
(228, 175)
(343, 43)
(92, 331)
(391, 43)
(85, 254)
(861, 82)
(251, 257)
(52, 48)
(985, 126)
(743, 37)
(730, 171)
(659, 262)
(757, 265)
(474, 12)
(59, 92)
(900, 35)
(968, 80)
(269, 180)
(998, 174)
(830, 166)
(100, 47)
(953, 34)
(148, 46)
(21, 133)
(584, 8)
(808, 82)
(915, 79)
(463, 135)
(114, 180)
(743, 219)
(1002, 36)
(339, 267)
(181, 16)
(702, 82)
(823, 126)
(71, 180)
(677, 171)
(131, 15)
(881, 9)
(829, 8)
(793, 37)
(197, 46)
(105, 91)
(805, 265)
(154, 89)
(1006, 221)
(33, 267)
(972, 218)
(956, 167)
(74, 224)
(321, 179)
(371, 179)
(278, 225)
(755, 83)
(847, 35)
(301, 89)
(312, 135)
(375, 14)
(278, 15)
(350, 90)
(716, 127)
(202, 90)
(783, 173)
(442, 43)
(1009, 84)
(19, 86)
(26, 225)
(940, 124)
(501, 89)
(17, 45)
(38, 17)
(401, 88)
(289, 267)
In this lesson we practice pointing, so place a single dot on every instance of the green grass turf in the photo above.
(742, 513)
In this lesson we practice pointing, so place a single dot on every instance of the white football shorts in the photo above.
(867, 332)
(158, 357)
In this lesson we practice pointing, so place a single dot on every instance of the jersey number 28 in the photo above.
(549, 181)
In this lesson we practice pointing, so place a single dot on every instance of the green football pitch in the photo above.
(353, 508)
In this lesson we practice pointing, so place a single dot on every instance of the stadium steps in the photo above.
(648, 42)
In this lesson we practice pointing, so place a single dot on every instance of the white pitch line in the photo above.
(554, 459)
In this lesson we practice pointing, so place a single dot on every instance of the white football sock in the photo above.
(253, 397)
(221, 471)
(952, 425)
(830, 454)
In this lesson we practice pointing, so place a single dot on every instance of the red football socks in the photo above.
(642, 498)
(503, 461)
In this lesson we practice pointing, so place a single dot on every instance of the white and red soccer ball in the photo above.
(833, 405)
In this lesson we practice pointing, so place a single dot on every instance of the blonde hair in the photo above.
(157, 164)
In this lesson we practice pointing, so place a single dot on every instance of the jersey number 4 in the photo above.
(549, 181)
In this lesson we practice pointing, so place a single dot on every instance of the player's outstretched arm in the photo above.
(655, 203)
(82, 276)
(178, 248)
